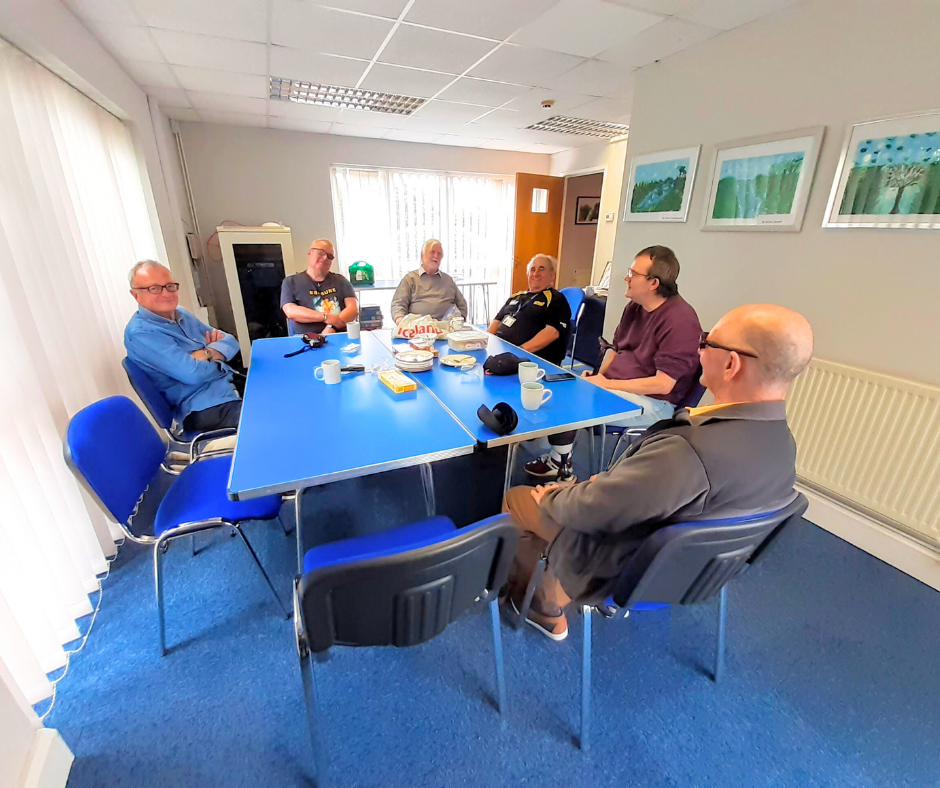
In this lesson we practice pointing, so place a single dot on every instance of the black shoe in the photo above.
(554, 627)
(548, 468)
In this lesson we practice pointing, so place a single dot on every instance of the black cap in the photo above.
(502, 419)
(502, 364)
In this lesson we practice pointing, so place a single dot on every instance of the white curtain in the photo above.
(73, 219)
(384, 217)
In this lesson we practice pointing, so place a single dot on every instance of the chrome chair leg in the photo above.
(593, 454)
(530, 590)
(264, 574)
(158, 551)
(298, 530)
(313, 716)
(427, 482)
(193, 542)
(586, 612)
(510, 460)
(498, 656)
(600, 462)
(722, 616)
(613, 454)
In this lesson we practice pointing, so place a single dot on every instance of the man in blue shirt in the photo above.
(181, 353)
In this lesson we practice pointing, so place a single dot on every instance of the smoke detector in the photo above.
(548, 103)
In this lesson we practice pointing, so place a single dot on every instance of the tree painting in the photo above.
(659, 186)
(897, 175)
(758, 186)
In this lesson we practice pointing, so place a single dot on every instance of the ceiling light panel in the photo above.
(343, 98)
(581, 126)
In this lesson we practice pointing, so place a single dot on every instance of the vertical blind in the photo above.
(73, 219)
(384, 217)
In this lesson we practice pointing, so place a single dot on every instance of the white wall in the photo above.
(871, 295)
(607, 157)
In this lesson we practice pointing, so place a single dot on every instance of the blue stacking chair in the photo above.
(680, 564)
(115, 452)
(575, 299)
(399, 587)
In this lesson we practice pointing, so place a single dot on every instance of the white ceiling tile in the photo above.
(298, 111)
(448, 112)
(169, 97)
(531, 101)
(459, 141)
(220, 103)
(412, 136)
(604, 109)
(405, 81)
(145, 73)
(482, 91)
(434, 49)
(315, 67)
(624, 92)
(524, 65)
(584, 27)
(233, 118)
(664, 7)
(362, 117)
(491, 18)
(501, 120)
(219, 54)
(592, 78)
(498, 144)
(546, 149)
(182, 113)
(127, 41)
(209, 81)
(729, 14)
(660, 41)
(387, 8)
(118, 11)
(240, 19)
(357, 131)
(298, 124)
(302, 25)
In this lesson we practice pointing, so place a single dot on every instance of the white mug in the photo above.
(534, 395)
(530, 372)
(352, 330)
(331, 372)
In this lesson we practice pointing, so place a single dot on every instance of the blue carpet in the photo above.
(831, 679)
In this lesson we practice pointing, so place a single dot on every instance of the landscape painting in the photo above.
(763, 184)
(660, 186)
(890, 175)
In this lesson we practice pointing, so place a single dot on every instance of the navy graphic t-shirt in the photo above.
(328, 296)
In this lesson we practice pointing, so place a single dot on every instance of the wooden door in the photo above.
(536, 233)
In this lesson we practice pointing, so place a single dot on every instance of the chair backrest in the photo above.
(690, 562)
(406, 598)
(575, 298)
(149, 394)
(115, 451)
(694, 397)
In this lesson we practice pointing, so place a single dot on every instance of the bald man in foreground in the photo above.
(729, 459)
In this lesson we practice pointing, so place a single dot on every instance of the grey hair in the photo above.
(428, 244)
(552, 262)
(141, 264)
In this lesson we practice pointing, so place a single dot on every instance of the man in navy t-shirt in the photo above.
(318, 300)
(654, 362)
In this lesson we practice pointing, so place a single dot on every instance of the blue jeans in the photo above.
(651, 411)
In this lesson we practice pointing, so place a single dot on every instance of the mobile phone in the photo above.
(559, 376)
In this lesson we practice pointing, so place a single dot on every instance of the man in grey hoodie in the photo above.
(729, 459)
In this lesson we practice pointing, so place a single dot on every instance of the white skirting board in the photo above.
(50, 761)
(879, 540)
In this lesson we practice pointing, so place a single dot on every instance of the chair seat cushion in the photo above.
(394, 540)
(199, 493)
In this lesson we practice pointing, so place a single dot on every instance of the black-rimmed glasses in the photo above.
(705, 342)
(170, 287)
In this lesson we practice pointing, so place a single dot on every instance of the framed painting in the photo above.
(660, 186)
(763, 183)
(889, 175)
(587, 210)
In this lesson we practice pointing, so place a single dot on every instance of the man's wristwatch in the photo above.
(208, 355)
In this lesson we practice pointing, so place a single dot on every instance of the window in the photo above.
(384, 217)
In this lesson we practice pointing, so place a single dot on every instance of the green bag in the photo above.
(361, 274)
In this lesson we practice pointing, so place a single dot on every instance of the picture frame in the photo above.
(762, 184)
(660, 184)
(587, 210)
(888, 174)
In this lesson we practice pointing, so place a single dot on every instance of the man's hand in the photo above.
(597, 380)
(539, 492)
(333, 320)
(399, 319)
(587, 374)
(207, 354)
(214, 335)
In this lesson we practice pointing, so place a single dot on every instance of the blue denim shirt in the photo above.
(162, 348)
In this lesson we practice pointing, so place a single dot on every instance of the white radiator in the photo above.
(871, 441)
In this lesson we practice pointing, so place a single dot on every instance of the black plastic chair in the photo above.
(680, 564)
(399, 587)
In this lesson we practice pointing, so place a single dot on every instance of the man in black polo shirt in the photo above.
(318, 300)
(536, 320)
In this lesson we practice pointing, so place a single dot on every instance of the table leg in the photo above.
(427, 481)
(298, 521)
(510, 459)
(486, 305)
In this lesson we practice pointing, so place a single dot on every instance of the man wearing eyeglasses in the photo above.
(181, 353)
(318, 300)
(654, 360)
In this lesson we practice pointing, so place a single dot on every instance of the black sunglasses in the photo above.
(705, 342)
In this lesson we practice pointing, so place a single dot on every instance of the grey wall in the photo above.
(871, 294)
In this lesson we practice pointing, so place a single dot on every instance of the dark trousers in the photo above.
(562, 438)
(215, 418)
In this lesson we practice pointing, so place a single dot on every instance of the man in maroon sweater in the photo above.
(654, 361)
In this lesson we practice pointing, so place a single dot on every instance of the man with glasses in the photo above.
(317, 300)
(180, 352)
(654, 359)
(728, 459)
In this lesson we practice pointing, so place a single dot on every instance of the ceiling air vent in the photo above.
(343, 98)
(588, 128)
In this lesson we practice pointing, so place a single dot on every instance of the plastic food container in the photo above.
(467, 340)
